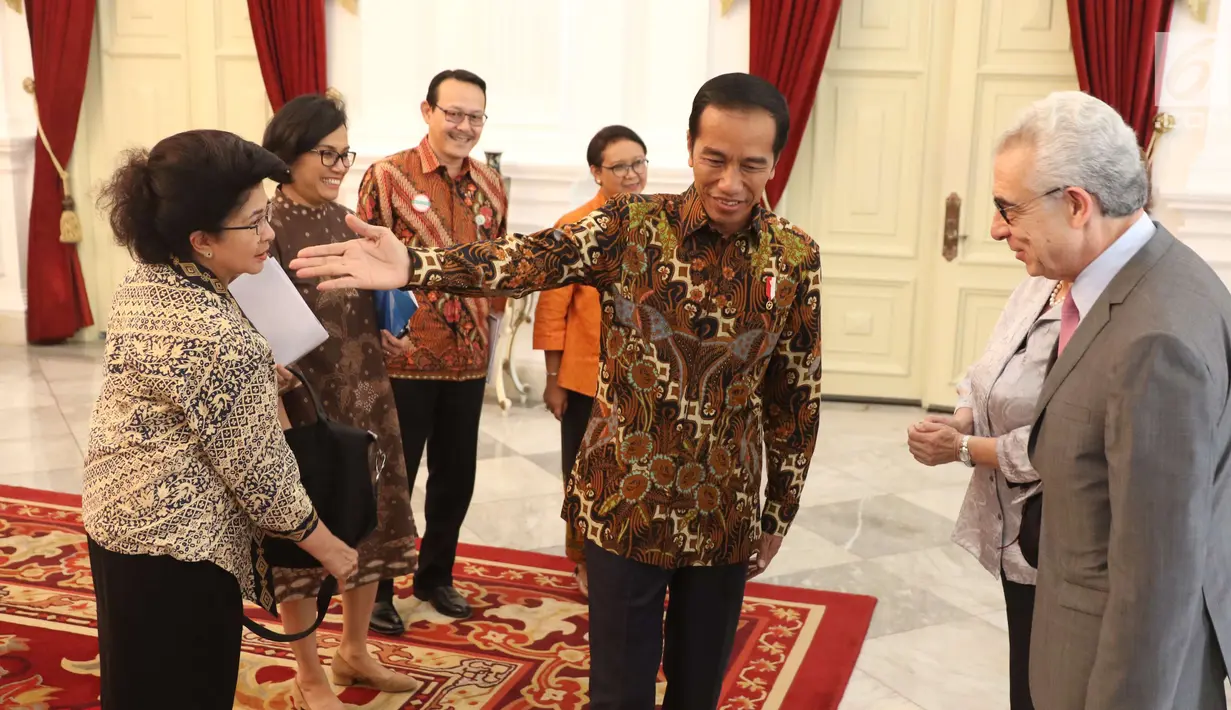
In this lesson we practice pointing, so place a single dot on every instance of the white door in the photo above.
(913, 96)
(860, 189)
(157, 68)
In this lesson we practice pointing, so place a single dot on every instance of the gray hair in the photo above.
(1079, 141)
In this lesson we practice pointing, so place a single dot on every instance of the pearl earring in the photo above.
(209, 255)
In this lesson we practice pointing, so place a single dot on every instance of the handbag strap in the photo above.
(324, 597)
(316, 401)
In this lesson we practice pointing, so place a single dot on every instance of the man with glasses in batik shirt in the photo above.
(434, 195)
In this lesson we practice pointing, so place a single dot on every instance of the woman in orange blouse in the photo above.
(566, 322)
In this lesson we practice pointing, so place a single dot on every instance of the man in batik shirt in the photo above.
(434, 195)
(710, 356)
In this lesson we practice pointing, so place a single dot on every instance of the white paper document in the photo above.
(278, 312)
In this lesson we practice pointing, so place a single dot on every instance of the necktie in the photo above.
(1069, 318)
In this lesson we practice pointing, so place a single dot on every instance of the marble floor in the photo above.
(872, 522)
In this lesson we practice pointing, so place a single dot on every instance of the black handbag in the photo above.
(1031, 529)
(335, 469)
(334, 466)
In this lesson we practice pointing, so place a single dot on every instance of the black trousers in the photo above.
(443, 417)
(627, 631)
(572, 430)
(168, 631)
(1019, 607)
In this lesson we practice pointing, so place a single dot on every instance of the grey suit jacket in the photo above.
(1132, 440)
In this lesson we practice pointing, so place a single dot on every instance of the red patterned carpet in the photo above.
(525, 646)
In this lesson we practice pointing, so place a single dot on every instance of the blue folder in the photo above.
(394, 309)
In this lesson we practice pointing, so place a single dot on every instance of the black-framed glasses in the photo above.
(256, 227)
(621, 169)
(1005, 208)
(454, 116)
(330, 157)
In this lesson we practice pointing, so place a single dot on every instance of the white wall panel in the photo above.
(556, 70)
(1192, 186)
(17, 136)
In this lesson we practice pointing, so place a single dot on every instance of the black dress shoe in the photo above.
(385, 620)
(447, 601)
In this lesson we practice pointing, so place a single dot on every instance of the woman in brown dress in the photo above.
(348, 374)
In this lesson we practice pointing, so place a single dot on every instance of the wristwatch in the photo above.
(963, 453)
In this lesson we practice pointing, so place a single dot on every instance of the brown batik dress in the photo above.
(348, 374)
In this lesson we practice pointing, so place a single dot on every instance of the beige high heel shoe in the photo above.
(388, 682)
(299, 703)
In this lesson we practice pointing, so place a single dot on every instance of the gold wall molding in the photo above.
(351, 6)
(726, 5)
(14, 5)
(1199, 8)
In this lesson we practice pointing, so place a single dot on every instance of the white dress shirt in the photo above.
(1093, 280)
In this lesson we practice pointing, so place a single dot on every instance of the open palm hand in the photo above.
(377, 260)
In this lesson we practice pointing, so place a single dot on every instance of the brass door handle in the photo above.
(953, 214)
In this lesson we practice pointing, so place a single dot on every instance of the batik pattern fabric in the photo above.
(347, 372)
(186, 457)
(710, 349)
(413, 195)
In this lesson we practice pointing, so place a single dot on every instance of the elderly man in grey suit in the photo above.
(1132, 438)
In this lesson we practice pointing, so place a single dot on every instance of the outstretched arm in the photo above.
(520, 264)
(584, 252)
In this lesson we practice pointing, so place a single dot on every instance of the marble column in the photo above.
(18, 131)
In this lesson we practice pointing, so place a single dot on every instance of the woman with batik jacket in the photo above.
(187, 463)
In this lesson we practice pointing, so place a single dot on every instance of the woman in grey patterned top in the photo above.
(989, 431)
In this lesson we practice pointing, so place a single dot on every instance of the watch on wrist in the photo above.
(963, 453)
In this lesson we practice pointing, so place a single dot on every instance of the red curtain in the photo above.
(60, 35)
(1113, 43)
(788, 44)
(290, 44)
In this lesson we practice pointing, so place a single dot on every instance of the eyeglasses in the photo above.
(455, 117)
(1005, 208)
(330, 158)
(256, 227)
(621, 169)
